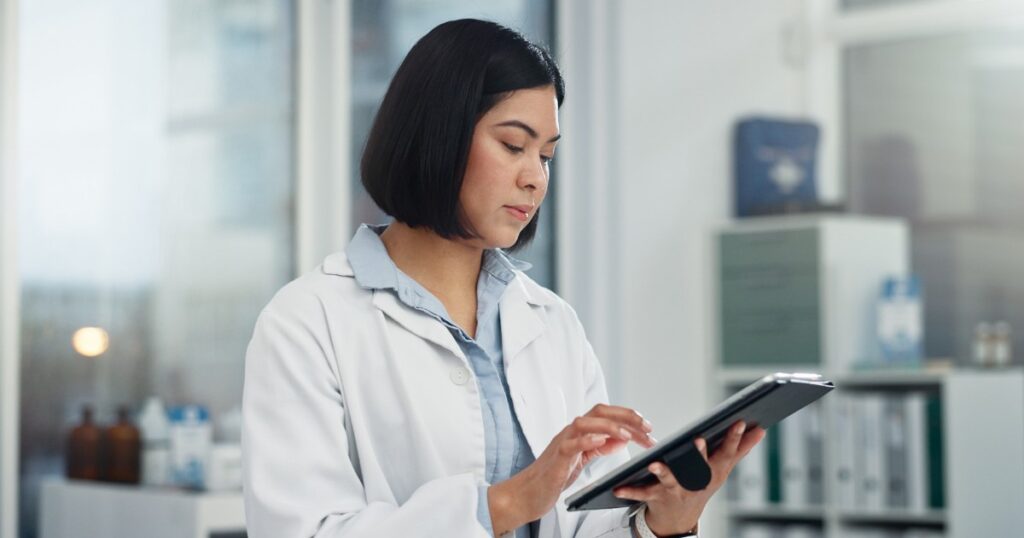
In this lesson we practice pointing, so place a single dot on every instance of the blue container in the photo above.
(775, 162)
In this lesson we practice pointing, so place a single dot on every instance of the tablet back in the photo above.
(763, 403)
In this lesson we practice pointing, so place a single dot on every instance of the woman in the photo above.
(420, 384)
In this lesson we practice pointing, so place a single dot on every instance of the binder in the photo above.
(815, 455)
(917, 455)
(773, 449)
(936, 456)
(794, 461)
(868, 459)
(894, 412)
(751, 479)
(844, 443)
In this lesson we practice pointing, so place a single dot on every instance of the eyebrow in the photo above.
(529, 130)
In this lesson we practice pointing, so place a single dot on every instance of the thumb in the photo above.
(702, 447)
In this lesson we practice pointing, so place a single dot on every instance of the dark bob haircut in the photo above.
(416, 153)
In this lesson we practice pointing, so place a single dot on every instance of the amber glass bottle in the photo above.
(123, 447)
(84, 450)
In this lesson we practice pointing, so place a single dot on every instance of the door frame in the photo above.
(9, 287)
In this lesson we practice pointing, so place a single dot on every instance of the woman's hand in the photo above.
(671, 508)
(534, 491)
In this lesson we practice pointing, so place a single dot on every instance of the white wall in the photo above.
(679, 73)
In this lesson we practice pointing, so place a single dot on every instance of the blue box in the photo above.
(775, 163)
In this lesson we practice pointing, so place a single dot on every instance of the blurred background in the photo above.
(743, 186)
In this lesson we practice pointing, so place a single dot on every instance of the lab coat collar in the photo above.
(520, 323)
(337, 264)
(416, 322)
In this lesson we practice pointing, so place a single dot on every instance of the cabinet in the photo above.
(77, 508)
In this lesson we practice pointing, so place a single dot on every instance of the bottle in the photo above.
(1002, 351)
(156, 443)
(85, 448)
(191, 439)
(983, 340)
(123, 447)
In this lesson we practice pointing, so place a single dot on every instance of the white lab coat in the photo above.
(361, 416)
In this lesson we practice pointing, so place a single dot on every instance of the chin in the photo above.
(503, 239)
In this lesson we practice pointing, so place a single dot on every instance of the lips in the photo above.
(521, 212)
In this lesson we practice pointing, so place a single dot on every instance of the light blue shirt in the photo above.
(507, 449)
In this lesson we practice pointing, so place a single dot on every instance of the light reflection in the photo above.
(90, 341)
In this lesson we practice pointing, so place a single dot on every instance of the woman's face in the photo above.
(507, 171)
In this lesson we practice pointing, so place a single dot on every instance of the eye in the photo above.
(513, 149)
(546, 158)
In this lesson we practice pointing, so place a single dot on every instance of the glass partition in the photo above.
(155, 206)
(934, 129)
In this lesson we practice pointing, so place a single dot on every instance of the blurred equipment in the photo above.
(775, 164)
(122, 450)
(85, 449)
(225, 468)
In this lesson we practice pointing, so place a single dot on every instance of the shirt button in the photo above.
(459, 375)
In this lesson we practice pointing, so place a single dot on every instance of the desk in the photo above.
(78, 508)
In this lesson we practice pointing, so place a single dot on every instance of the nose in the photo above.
(534, 177)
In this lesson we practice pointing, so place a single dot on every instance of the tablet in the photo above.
(763, 403)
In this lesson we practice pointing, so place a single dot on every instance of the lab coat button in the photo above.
(459, 375)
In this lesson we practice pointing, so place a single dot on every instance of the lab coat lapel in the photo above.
(539, 406)
(415, 322)
(520, 325)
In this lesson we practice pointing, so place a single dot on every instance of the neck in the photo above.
(445, 267)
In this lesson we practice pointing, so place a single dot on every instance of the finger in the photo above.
(702, 447)
(631, 420)
(627, 417)
(665, 477)
(611, 427)
(588, 425)
(727, 449)
(646, 493)
(750, 439)
(610, 446)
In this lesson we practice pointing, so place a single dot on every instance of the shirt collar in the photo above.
(374, 269)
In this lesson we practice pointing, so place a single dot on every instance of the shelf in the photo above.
(894, 377)
(812, 514)
(741, 376)
(881, 377)
(930, 517)
(966, 393)
(777, 513)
